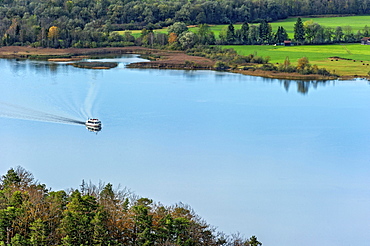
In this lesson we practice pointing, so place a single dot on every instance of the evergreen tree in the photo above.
(82, 221)
(299, 33)
(230, 34)
(244, 32)
(143, 221)
(254, 242)
(338, 34)
(253, 37)
(38, 233)
(265, 32)
(10, 179)
(281, 35)
(365, 31)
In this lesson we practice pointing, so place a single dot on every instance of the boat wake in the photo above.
(52, 100)
(90, 100)
(19, 112)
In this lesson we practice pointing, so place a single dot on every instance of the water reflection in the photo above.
(94, 129)
(19, 66)
(45, 67)
(193, 135)
(303, 86)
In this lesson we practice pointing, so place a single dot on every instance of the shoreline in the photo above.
(159, 59)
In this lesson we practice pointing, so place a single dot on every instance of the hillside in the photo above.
(84, 23)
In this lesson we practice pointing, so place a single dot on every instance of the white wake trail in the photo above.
(90, 100)
(19, 112)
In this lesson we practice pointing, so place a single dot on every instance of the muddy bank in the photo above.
(49, 53)
(287, 76)
(156, 56)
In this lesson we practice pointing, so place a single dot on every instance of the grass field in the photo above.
(355, 22)
(317, 54)
(137, 33)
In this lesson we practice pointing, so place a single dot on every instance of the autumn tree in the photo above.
(303, 65)
(172, 38)
(53, 35)
(32, 215)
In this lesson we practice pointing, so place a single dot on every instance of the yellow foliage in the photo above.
(172, 38)
(53, 32)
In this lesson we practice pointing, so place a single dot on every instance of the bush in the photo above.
(221, 66)
(268, 67)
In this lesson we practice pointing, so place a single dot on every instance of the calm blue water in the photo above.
(248, 154)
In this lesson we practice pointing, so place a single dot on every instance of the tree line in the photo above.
(308, 32)
(33, 215)
(83, 23)
(180, 37)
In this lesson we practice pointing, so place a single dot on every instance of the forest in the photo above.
(83, 23)
(32, 214)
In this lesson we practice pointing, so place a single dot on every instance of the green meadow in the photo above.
(355, 22)
(316, 54)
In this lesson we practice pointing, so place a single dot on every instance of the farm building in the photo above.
(286, 43)
(365, 41)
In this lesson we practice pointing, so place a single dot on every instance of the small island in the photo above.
(94, 65)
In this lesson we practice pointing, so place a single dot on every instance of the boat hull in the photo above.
(93, 125)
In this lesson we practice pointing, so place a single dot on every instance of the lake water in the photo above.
(288, 162)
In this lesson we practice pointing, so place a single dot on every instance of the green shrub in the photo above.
(221, 66)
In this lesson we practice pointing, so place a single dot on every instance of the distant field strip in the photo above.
(355, 22)
(358, 55)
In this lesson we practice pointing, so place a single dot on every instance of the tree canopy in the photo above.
(86, 23)
(30, 215)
